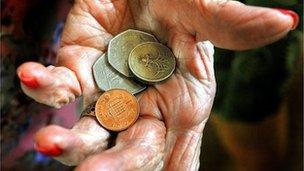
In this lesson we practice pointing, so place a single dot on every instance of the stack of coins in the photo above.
(134, 59)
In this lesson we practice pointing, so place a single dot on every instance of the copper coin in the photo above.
(117, 109)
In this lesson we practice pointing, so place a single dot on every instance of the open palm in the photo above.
(173, 114)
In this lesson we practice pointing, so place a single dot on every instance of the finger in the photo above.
(141, 147)
(53, 86)
(72, 146)
(80, 60)
(84, 39)
(89, 27)
(194, 58)
(233, 25)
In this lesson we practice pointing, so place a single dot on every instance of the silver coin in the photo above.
(108, 78)
(121, 46)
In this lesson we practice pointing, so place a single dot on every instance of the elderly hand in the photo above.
(173, 114)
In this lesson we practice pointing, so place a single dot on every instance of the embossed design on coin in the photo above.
(151, 62)
(108, 78)
(117, 109)
(154, 63)
(121, 46)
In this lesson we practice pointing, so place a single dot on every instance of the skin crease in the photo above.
(173, 114)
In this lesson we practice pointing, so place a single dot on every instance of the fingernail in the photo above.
(49, 151)
(291, 14)
(29, 81)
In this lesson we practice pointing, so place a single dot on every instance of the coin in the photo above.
(108, 78)
(151, 62)
(89, 110)
(121, 46)
(117, 109)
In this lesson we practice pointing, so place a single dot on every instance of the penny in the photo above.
(151, 62)
(121, 46)
(117, 109)
(108, 78)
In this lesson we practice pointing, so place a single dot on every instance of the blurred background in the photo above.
(257, 119)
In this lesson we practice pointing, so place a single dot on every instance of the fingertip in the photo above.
(52, 140)
(53, 150)
(26, 75)
(34, 75)
(27, 67)
(30, 81)
(292, 14)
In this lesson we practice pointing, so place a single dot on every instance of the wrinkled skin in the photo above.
(173, 114)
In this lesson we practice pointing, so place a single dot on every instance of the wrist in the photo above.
(182, 150)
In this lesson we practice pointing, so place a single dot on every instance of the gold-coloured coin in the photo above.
(121, 46)
(151, 62)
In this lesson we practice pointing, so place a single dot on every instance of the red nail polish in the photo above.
(292, 14)
(49, 151)
(29, 81)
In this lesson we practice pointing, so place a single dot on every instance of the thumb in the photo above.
(233, 25)
(140, 147)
